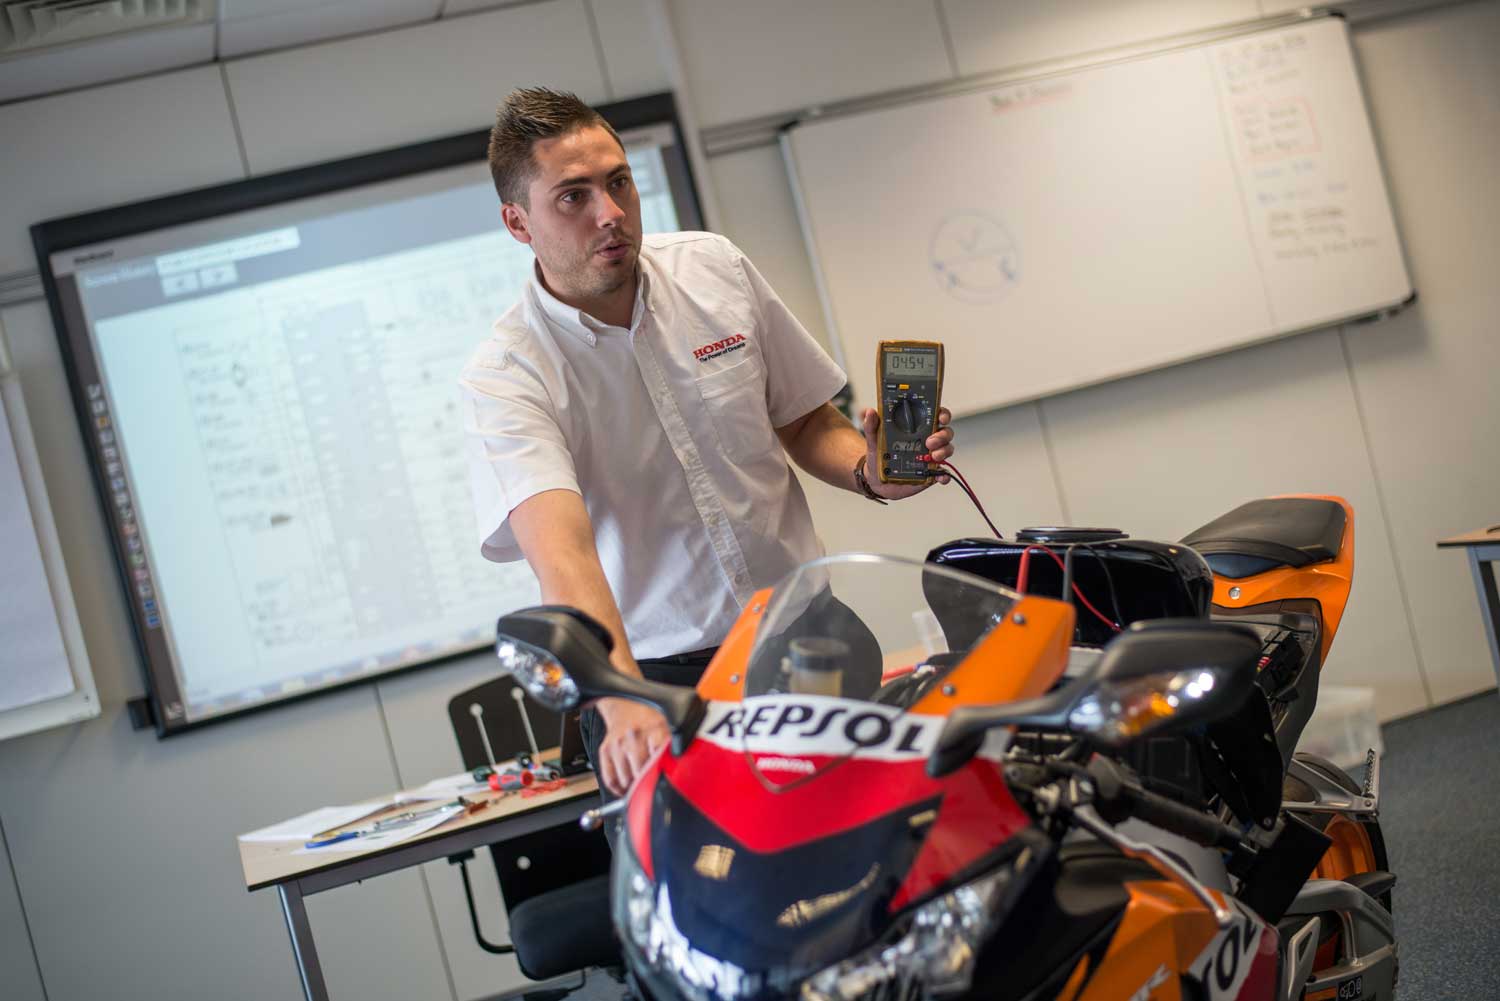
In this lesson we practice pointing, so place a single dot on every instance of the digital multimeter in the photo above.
(910, 377)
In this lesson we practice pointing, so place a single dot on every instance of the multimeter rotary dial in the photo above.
(910, 414)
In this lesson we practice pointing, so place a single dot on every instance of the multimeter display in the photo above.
(911, 386)
(923, 364)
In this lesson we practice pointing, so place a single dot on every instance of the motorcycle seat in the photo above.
(1269, 533)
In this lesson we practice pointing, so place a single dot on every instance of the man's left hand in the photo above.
(939, 449)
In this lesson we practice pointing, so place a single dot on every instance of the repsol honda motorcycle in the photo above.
(904, 780)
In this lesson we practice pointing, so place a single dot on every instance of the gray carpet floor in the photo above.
(1440, 814)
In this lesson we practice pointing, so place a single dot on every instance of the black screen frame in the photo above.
(62, 234)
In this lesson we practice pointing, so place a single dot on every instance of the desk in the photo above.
(298, 876)
(1484, 551)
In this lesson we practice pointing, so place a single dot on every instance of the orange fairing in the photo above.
(1020, 658)
(1327, 583)
(724, 678)
(1164, 925)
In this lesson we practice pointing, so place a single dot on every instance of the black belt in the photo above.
(678, 669)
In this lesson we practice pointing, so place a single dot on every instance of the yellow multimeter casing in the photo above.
(909, 375)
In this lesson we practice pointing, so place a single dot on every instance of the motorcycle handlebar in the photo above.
(1119, 796)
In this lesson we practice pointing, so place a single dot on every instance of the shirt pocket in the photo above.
(735, 398)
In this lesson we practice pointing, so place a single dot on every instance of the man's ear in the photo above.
(516, 222)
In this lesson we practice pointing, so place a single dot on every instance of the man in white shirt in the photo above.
(630, 420)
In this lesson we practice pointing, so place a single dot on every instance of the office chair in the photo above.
(555, 882)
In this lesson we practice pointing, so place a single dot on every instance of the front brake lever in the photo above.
(1084, 813)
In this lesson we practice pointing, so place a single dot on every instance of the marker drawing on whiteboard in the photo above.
(973, 257)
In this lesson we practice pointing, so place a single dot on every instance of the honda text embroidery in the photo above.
(732, 343)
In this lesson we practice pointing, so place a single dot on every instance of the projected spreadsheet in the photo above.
(293, 444)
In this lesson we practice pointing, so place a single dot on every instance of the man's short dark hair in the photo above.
(527, 116)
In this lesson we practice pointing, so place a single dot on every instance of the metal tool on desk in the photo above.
(525, 768)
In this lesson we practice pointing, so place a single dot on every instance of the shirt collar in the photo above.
(575, 321)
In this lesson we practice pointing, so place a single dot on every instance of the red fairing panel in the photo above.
(977, 813)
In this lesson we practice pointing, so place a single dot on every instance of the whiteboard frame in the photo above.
(82, 703)
(1064, 67)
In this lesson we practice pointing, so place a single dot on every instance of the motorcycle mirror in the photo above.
(1166, 675)
(1158, 676)
(560, 657)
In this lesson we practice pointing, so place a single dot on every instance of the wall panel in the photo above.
(988, 36)
(97, 148)
(632, 54)
(415, 707)
(1427, 379)
(1002, 454)
(322, 102)
(756, 212)
(17, 959)
(1160, 454)
(747, 59)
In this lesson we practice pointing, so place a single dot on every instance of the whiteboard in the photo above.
(44, 671)
(1092, 224)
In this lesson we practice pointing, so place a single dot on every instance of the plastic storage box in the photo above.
(1344, 727)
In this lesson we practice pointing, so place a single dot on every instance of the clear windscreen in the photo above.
(870, 628)
(846, 647)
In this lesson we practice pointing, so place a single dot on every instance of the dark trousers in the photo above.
(683, 669)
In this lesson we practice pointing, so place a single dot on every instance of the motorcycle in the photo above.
(902, 780)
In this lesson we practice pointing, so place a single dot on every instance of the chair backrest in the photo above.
(548, 859)
(502, 721)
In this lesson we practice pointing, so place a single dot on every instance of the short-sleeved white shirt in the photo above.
(666, 430)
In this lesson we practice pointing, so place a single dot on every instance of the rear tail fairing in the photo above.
(1297, 609)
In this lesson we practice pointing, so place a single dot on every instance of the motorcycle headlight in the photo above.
(939, 946)
(934, 952)
(643, 912)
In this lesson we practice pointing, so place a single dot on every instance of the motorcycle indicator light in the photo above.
(1117, 712)
(538, 673)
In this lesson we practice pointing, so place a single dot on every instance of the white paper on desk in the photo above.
(310, 825)
(384, 839)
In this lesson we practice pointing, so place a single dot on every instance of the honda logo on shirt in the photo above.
(732, 343)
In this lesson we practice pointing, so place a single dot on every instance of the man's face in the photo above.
(584, 222)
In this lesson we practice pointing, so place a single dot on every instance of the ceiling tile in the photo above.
(103, 60)
(377, 91)
(283, 24)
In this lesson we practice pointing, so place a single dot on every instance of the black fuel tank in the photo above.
(1125, 579)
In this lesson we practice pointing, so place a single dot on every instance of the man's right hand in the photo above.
(634, 732)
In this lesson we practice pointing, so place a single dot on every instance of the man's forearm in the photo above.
(574, 585)
(556, 537)
(826, 445)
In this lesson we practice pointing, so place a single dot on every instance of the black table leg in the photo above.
(302, 942)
